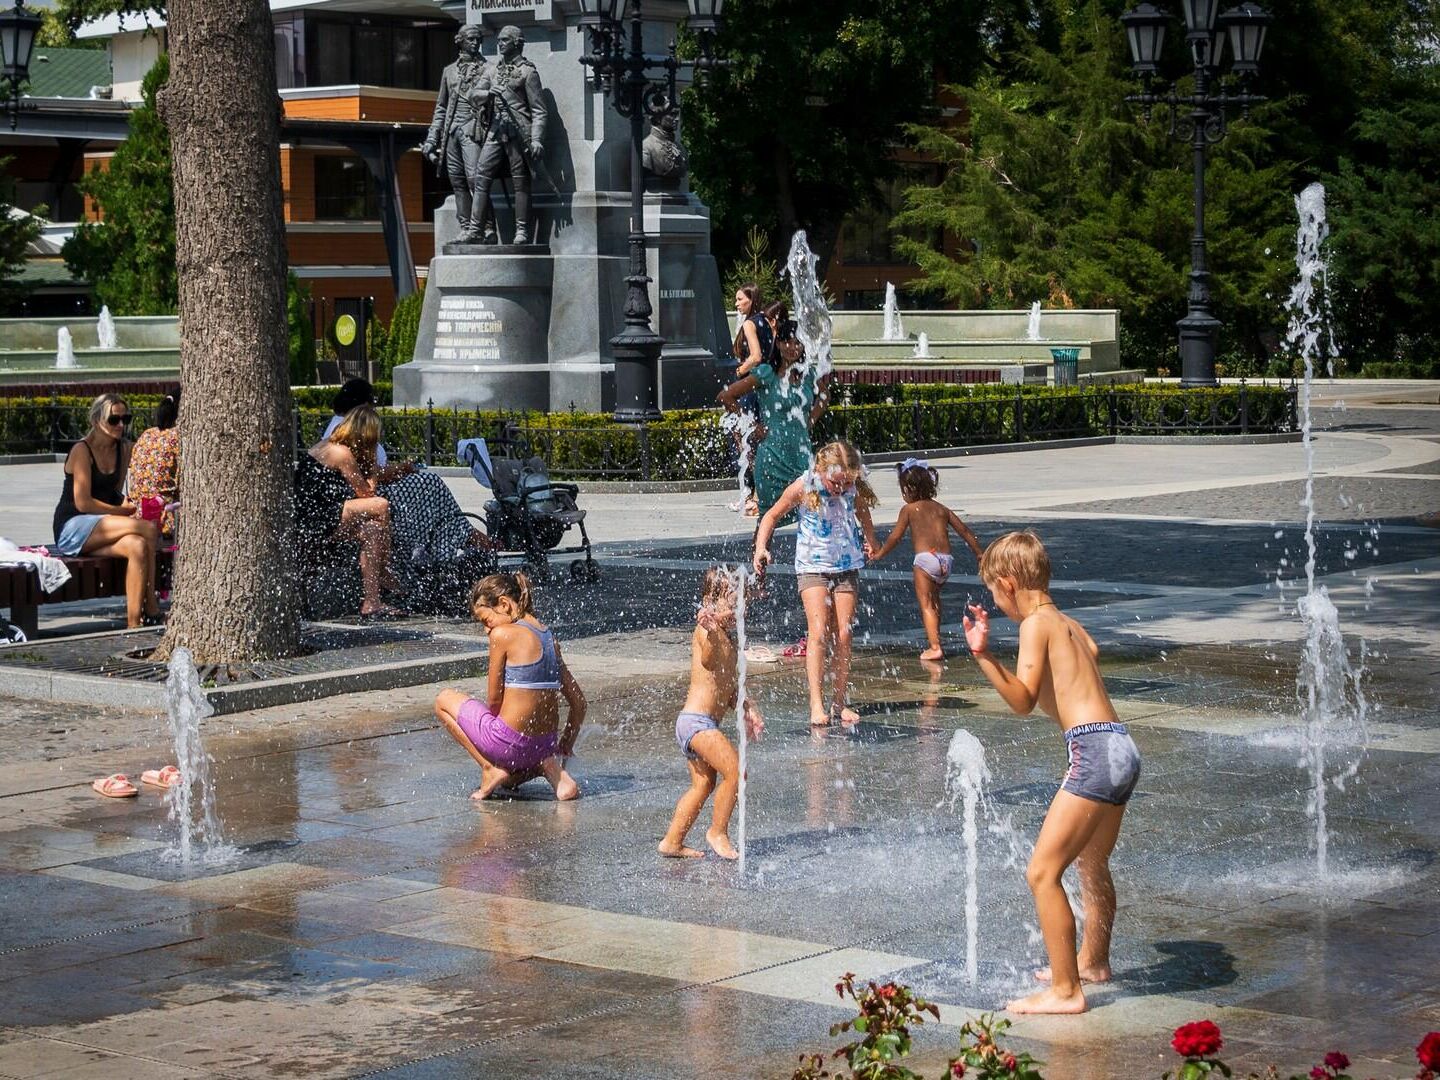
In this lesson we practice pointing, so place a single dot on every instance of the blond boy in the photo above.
(1056, 669)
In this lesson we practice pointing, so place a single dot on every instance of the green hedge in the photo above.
(690, 444)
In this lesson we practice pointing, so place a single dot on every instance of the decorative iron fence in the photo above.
(690, 445)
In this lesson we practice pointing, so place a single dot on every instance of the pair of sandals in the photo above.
(118, 785)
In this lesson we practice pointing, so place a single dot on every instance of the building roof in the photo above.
(67, 73)
(39, 273)
(106, 26)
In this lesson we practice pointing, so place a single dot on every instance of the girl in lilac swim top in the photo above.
(517, 736)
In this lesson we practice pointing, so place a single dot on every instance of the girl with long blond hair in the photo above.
(335, 499)
(836, 535)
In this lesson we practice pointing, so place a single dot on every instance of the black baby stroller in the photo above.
(530, 514)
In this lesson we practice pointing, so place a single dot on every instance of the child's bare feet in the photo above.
(936, 653)
(566, 788)
(819, 719)
(720, 844)
(845, 714)
(1094, 973)
(678, 851)
(1050, 1002)
(491, 780)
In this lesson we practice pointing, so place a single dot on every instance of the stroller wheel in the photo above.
(584, 570)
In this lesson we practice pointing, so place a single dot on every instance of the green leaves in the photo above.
(129, 255)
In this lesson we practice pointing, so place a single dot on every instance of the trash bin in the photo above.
(1067, 366)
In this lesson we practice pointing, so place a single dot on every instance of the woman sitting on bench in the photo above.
(95, 518)
(335, 500)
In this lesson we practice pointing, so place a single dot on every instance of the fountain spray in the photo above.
(740, 579)
(1332, 701)
(187, 706)
(966, 775)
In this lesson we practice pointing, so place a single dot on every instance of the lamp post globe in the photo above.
(1246, 25)
(18, 28)
(1145, 29)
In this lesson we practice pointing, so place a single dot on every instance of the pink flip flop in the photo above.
(115, 787)
(798, 649)
(167, 777)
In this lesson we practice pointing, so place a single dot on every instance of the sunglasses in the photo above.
(115, 420)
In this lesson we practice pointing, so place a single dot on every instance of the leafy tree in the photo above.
(129, 255)
(797, 132)
(1062, 196)
(17, 233)
(402, 334)
(1385, 238)
(301, 331)
(56, 33)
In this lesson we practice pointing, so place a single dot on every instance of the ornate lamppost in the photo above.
(1199, 118)
(639, 85)
(17, 39)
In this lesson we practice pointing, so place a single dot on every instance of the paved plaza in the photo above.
(376, 921)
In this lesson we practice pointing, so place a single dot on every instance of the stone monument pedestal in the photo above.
(529, 326)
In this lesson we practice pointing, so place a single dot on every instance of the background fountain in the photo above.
(1032, 328)
(922, 346)
(894, 326)
(105, 330)
(64, 349)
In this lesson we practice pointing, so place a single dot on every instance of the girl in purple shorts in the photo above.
(517, 736)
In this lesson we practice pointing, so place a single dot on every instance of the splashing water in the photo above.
(894, 325)
(922, 346)
(1032, 329)
(1331, 698)
(64, 349)
(105, 330)
(739, 580)
(187, 705)
(965, 778)
(741, 427)
(813, 324)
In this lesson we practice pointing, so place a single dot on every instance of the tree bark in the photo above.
(235, 582)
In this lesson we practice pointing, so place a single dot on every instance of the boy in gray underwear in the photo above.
(714, 688)
(1057, 670)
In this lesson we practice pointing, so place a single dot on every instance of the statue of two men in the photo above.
(489, 122)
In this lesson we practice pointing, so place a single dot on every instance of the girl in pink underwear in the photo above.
(929, 524)
(517, 736)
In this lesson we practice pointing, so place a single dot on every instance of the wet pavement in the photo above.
(376, 921)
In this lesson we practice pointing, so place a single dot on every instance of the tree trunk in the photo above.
(235, 583)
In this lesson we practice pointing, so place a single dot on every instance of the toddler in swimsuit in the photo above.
(517, 736)
(929, 524)
(714, 687)
(1057, 670)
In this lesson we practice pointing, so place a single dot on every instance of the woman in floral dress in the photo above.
(155, 463)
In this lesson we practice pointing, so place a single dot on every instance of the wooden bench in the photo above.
(92, 577)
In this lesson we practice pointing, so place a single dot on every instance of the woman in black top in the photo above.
(95, 518)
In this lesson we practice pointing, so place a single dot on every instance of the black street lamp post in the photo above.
(17, 39)
(1203, 125)
(622, 70)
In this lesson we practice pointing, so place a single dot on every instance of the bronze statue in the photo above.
(661, 154)
(451, 143)
(510, 115)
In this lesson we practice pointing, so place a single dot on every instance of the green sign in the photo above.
(345, 329)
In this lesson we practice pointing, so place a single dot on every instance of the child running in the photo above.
(835, 537)
(1056, 670)
(714, 687)
(929, 524)
(517, 736)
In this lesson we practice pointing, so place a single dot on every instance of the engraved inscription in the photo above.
(467, 329)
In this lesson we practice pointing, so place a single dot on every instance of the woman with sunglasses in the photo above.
(95, 518)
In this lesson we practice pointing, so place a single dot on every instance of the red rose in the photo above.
(1317, 1073)
(1010, 1063)
(1197, 1040)
(1336, 1060)
(1428, 1052)
(957, 1069)
(887, 991)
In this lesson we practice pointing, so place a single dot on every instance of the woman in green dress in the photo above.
(791, 400)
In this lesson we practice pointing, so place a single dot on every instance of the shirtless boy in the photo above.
(714, 687)
(1056, 669)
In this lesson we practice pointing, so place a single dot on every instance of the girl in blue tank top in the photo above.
(517, 735)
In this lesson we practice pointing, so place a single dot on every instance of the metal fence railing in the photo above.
(692, 445)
